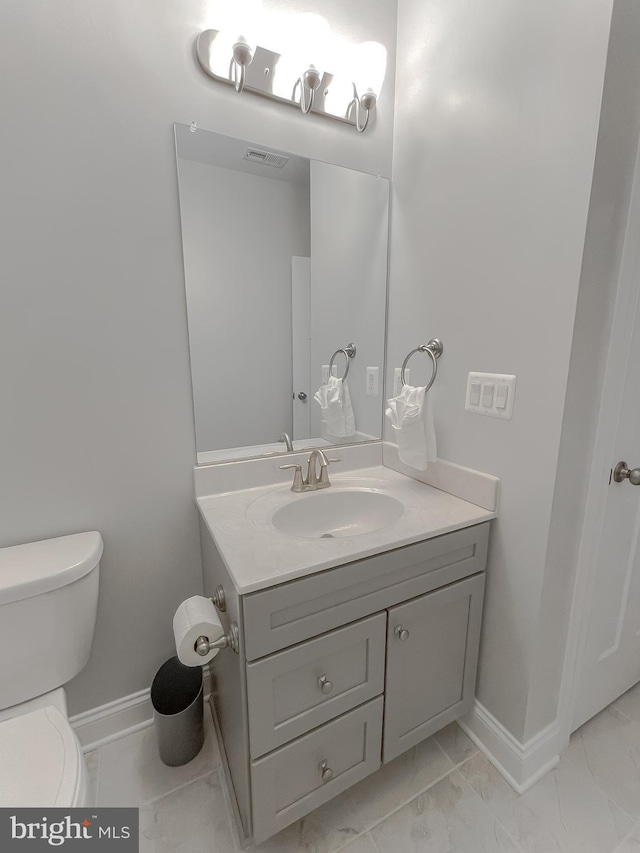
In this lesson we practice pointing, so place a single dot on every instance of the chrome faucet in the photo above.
(285, 437)
(312, 480)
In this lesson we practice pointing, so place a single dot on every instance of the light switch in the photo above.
(491, 394)
(372, 381)
(474, 393)
(487, 395)
(502, 395)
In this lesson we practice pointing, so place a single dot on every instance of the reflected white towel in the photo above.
(411, 417)
(335, 405)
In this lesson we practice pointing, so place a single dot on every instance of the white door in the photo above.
(608, 661)
(301, 350)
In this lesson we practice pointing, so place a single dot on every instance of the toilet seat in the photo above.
(40, 761)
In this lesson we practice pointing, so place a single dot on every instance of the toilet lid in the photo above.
(39, 760)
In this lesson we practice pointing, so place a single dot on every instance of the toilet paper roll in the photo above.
(196, 617)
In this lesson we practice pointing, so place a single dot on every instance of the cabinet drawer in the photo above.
(288, 784)
(297, 690)
(287, 614)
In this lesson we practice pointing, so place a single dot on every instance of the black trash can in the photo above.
(177, 698)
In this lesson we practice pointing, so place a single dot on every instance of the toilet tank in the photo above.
(48, 604)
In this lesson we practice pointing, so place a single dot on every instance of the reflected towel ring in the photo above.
(434, 348)
(348, 352)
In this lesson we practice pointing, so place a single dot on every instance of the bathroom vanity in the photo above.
(352, 614)
(351, 648)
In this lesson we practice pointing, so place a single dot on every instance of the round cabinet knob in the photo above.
(401, 633)
(325, 772)
(325, 685)
(622, 472)
(302, 396)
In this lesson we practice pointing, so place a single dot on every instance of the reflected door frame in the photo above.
(301, 346)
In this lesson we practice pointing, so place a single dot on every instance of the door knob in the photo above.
(401, 633)
(621, 472)
(302, 396)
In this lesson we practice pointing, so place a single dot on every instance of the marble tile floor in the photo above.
(441, 797)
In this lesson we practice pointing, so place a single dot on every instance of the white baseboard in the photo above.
(521, 764)
(118, 719)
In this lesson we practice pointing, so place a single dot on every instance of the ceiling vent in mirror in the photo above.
(267, 158)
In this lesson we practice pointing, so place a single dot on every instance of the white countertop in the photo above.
(258, 556)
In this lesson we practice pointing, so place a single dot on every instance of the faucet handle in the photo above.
(298, 482)
(324, 475)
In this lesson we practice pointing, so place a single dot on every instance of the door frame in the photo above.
(626, 306)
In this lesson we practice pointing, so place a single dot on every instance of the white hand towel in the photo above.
(337, 412)
(411, 417)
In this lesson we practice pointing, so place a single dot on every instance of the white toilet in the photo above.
(48, 603)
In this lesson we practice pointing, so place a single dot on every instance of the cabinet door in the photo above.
(432, 656)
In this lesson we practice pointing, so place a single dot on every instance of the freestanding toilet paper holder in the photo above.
(229, 640)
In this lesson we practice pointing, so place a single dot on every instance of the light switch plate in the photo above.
(397, 379)
(499, 388)
(372, 381)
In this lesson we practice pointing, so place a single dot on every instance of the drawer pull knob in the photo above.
(325, 772)
(325, 685)
(401, 633)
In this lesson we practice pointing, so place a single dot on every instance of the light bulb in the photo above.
(369, 67)
(305, 49)
(238, 24)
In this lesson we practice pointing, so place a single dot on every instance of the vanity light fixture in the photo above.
(242, 55)
(370, 62)
(308, 83)
(314, 91)
(363, 104)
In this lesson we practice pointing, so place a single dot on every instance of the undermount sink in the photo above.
(337, 513)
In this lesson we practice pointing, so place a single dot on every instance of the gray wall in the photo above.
(239, 233)
(97, 423)
(497, 110)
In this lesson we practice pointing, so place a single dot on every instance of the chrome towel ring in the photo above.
(348, 352)
(434, 348)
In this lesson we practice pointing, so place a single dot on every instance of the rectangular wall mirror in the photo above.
(285, 265)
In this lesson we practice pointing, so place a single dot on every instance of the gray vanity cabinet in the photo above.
(432, 655)
(342, 670)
